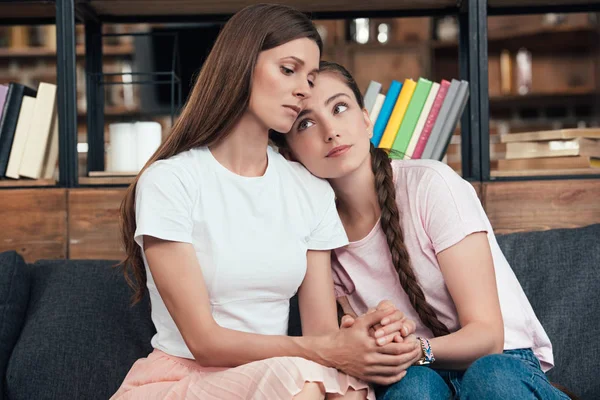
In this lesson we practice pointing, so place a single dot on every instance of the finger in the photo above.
(409, 327)
(398, 348)
(385, 304)
(396, 315)
(382, 341)
(402, 361)
(370, 319)
(389, 329)
(347, 321)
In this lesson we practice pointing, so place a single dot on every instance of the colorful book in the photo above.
(441, 119)
(393, 125)
(386, 110)
(371, 95)
(431, 118)
(412, 145)
(409, 122)
(454, 113)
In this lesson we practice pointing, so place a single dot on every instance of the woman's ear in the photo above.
(368, 123)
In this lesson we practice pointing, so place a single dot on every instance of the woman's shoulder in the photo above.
(297, 175)
(181, 166)
(418, 172)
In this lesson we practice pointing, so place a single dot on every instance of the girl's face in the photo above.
(332, 135)
(282, 79)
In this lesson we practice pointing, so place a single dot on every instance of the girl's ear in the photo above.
(368, 123)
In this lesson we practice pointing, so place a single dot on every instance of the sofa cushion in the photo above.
(14, 295)
(559, 271)
(81, 336)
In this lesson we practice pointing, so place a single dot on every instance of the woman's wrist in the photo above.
(319, 349)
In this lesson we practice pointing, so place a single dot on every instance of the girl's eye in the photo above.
(286, 71)
(304, 125)
(340, 108)
(311, 84)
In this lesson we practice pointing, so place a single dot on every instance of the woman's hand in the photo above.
(393, 327)
(354, 351)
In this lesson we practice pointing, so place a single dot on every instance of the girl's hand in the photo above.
(393, 327)
(354, 350)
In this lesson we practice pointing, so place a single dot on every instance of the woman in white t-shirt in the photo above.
(222, 231)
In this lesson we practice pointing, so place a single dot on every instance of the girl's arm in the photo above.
(178, 278)
(468, 271)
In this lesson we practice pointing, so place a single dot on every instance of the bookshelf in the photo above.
(471, 50)
(83, 212)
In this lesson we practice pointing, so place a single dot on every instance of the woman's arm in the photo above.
(178, 278)
(316, 300)
(468, 271)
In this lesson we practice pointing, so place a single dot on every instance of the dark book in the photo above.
(8, 120)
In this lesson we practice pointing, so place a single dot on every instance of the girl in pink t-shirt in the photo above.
(420, 238)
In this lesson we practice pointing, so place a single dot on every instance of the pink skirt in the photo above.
(162, 376)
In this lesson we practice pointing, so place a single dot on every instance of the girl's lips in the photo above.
(338, 151)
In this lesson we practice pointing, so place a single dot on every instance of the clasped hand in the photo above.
(377, 347)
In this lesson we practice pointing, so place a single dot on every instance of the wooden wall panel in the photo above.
(540, 205)
(94, 231)
(34, 223)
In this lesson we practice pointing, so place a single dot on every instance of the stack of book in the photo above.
(28, 131)
(416, 119)
(559, 151)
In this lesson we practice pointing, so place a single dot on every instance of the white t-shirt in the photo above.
(250, 234)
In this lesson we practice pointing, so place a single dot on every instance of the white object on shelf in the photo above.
(122, 151)
(148, 139)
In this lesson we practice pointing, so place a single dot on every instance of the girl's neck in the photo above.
(357, 202)
(244, 151)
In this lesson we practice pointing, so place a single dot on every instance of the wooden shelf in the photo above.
(543, 98)
(7, 183)
(545, 172)
(109, 180)
(20, 11)
(36, 52)
(550, 38)
(538, 3)
(164, 8)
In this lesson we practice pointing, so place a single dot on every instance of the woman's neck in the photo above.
(244, 151)
(357, 202)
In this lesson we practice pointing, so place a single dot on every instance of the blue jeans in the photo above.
(515, 374)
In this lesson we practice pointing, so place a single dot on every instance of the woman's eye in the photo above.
(286, 71)
(311, 84)
(340, 108)
(304, 125)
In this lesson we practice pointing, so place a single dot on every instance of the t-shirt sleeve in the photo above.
(450, 209)
(163, 205)
(327, 232)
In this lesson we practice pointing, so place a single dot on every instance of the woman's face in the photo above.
(332, 135)
(282, 79)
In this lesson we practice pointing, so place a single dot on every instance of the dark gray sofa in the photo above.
(67, 330)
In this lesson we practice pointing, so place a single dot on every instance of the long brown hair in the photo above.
(217, 101)
(390, 215)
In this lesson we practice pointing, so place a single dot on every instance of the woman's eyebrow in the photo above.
(302, 63)
(335, 96)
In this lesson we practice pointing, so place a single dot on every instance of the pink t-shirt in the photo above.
(439, 209)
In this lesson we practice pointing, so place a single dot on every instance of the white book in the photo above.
(371, 95)
(435, 87)
(39, 132)
(377, 107)
(20, 139)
